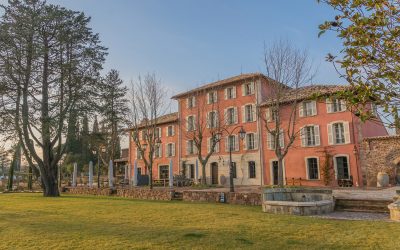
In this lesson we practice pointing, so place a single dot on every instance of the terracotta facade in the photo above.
(239, 99)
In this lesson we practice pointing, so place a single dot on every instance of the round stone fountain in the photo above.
(298, 201)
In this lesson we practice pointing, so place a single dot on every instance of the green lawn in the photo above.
(31, 221)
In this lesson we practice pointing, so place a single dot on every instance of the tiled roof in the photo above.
(168, 118)
(307, 92)
(229, 80)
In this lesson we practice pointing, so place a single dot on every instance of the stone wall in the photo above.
(134, 193)
(253, 199)
(146, 194)
(89, 191)
(380, 154)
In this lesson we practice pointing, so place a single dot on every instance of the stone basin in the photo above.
(298, 201)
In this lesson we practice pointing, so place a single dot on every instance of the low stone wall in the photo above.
(146, 194)
(253, 199)
(89, 191)
(134, 193)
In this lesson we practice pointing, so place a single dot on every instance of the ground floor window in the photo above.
(139, 171)
(312, 168)
(164, 172)
(342, 167)
(252, 169)
(234, 170)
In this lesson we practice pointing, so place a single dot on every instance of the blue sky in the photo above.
(191, 42)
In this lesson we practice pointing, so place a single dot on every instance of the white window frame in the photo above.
(210, 123)
(346, 133)
(270, 139)
(317, 136)
(255, 141)
(307, 170)
(212, 97)
(226, 91)
(245, 113)
(303, 109)
(172, 130)
(335, 164)
(159, 151)
(193, 125)
(191, 102)
(235, 115)
(330, 103)
(168, 152)
(251, 88)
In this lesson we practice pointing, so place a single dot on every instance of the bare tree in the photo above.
(148, 103)
(288, 69)
(206, 124)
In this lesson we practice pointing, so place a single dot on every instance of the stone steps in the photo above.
(178, 196)
(362, 205)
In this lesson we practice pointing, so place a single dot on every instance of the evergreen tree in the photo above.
(113, 109)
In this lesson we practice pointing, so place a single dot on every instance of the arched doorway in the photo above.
(214, 173)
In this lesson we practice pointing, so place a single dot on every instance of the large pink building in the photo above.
(328, 143)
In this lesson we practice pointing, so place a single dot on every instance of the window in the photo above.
(212, 97)
(271, 140)
(139, 171)
(157, 133)
(335, 105)
(170, 149)
(190, 147)
(190, 123)
(210, 143)
(138, 154)
(144, 135)
(251, 141)
(248, 113)
(308, 108)
(164, 172)
(248, 89)
(212, 119)
(234, 174)
(338, 133)
(230, 93)
(231, 116)
(231, 143)
(252, 169)
(170, 131)
(158, 152)
(342, 167)
(270, 114)
(310, 136)
(191, 102)
(312, 169)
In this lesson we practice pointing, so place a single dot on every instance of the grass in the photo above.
(86, 222)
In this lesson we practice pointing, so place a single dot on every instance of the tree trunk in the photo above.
(151, 178)
(10, 182)
(50, 185)
(203, 174)
(30, 173)
(280, 173)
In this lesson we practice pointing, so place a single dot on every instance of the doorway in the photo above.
(275, 172)
(214, 173)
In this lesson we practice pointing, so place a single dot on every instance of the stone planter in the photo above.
(298, 201)
(382, 180)
(395, 210)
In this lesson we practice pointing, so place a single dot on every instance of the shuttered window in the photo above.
(338, 133)
(310, 136)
